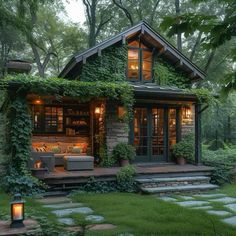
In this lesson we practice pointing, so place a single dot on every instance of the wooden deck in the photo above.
(62, 177)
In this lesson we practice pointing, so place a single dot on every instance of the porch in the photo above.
(65, 180)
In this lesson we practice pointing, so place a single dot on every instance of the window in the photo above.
(53, 119)
(139, 62)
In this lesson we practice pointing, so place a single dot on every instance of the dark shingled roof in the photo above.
(165, 48)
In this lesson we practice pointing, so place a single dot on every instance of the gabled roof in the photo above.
(148, 34)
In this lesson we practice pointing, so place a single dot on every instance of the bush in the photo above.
(185, 148)
(26, 184)
(125, 179)
(98, 186)
(217, 144)
(223, 162)
(123, 151)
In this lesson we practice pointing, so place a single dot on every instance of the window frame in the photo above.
(140, 63)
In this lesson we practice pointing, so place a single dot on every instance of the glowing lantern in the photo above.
(17, 212)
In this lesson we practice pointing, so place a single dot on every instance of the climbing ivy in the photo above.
(204, 95)
(165, 74)
(111, 66)
(19, 128)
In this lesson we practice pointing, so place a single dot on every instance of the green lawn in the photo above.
(133, 213)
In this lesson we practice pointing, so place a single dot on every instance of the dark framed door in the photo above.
(153, 132)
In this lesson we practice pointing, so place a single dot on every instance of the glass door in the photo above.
(141, 134)
(153, 133)
(157, 145)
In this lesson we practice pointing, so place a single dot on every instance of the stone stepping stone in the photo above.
(63, 205)
(102, 227)
(92, 227)
(54, 200)
(232, 207)
(230, 221)
(192, 203)
(187, 197)
(66, 212)
(168, 199)
(66, 221)
(215, 195)
(219, 213)
(224, 200)
(94, 218)
(202, 208)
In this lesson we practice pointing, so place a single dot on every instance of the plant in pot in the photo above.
(184, 150)
(123, 153)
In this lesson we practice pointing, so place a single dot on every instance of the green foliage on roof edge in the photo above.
(18, 177)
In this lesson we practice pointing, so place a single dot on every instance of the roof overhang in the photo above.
(153, 91)
(164, 48)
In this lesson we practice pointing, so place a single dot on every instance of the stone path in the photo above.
(225, 209)
(63, 208)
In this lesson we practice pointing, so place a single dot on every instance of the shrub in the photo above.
(217, 144)
(123, 151)
(125, 179)
(98, 186)
(223, 162)
(24, 184)
(185, 148)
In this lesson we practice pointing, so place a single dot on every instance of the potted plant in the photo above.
(184, 150)
(123, 153)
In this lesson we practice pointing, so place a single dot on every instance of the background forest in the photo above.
(204, 31)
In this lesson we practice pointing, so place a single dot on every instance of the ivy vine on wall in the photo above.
(166, 75)
(19, 131)
(111, 66)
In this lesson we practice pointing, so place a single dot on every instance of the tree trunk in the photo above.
(196, 45)
(179, 34)
(210, 59)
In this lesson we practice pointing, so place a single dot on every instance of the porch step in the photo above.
(170, 180)
(178, 189)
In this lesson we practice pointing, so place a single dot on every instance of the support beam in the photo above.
(198, 150)
(162, 51)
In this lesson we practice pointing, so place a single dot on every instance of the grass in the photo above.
(146, 215)
(132, 213)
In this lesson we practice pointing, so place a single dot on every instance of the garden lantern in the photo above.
(17, 212)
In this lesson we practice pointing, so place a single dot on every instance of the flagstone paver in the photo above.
(66, 212)
(219, 213)
(216, 195)
(202, 208)
(192, 203)
(224, 200)
(230, 220)
(168, 199)
(232, 207)
(92, 227)
(187, 197)
(63, 205)
(66, 221)
(94, 218)
(54, 200)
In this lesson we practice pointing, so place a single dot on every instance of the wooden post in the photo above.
(197, 134)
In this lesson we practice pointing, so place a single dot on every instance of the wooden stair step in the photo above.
(173, 179)
(180, 188)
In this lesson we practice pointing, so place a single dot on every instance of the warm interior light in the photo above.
(98, 110)
(187, 113)
(121, 112)
(38, 164)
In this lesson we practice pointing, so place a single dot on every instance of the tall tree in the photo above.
(98, 15)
